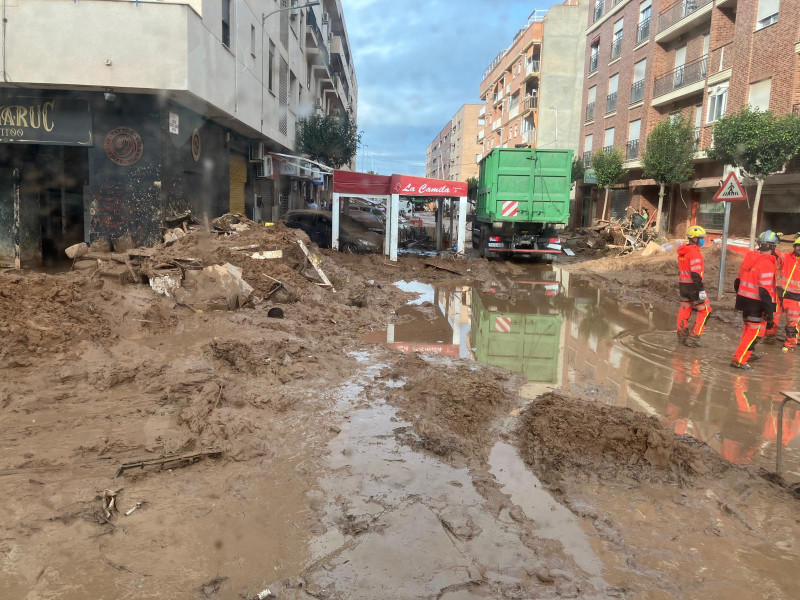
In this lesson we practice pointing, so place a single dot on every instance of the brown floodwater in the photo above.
(561, 331)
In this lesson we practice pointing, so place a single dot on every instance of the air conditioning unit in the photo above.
(264, 168)
(326, 18)
(256, 152)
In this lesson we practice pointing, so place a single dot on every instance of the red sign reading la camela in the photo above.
(407, 185)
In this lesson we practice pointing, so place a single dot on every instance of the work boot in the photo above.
(756, 356)
(693, 342)
(682, 335)
(770, 339)
(744, 367)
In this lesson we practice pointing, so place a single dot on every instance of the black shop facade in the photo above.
(86, 166)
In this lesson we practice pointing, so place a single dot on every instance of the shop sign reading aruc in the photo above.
(60, 121)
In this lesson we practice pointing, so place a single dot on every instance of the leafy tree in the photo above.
(608, 170)
(668, 157)
(577, 169)
(330, 139)
(472, 189)
(760, 144)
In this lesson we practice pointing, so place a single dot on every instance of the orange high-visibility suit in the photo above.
(691, 269)
(789, 296)
(755, 295)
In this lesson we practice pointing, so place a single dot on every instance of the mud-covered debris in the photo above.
(77, 250)
(173, 235)
(218, 287)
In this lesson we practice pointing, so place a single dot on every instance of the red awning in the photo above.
(361, 184)
(406, 185)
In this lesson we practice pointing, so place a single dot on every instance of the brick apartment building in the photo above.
(529, 88)
(452, 154)
(647, 60)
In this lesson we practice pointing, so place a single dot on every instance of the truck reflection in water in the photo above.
(560, 331)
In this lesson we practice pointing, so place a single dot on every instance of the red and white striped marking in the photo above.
(510, 208)
(502, 324)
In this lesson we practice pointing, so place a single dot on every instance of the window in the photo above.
(590, 102)
(611, 99)
(226, 22)
(680, 61)
(710, 214)
(632, 147)
(595, 52)
(644, 11)
(608, 140)
(634, 128)
(637, 88)
(269, 67)
(598, 9)
(698, 121)
(643, 31)
(767, 13)
(253, 40)
(616, 42)
(759, 94)
(587, 142)
(717, 102)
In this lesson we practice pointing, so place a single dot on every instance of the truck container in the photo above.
(523, 194)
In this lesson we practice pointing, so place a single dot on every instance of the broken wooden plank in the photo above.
(443, 268)
(179, 458)
(315, 263)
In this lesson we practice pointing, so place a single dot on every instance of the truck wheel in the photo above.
(482, 249)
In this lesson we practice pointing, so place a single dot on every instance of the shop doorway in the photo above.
(51, 182)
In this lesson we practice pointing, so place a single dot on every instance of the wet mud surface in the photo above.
(505, 431)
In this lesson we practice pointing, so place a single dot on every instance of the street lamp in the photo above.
(264, 18)
(555, 108)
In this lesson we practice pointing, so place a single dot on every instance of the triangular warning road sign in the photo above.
(731, 189)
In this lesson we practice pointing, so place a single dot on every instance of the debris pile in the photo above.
(616, 235)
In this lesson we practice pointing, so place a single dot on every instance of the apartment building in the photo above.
(452, 154)
(529, 87)
(648, 60)
(118, 113)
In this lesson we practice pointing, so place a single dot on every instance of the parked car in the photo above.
(353, 236)
(370, 221)
(369, 209)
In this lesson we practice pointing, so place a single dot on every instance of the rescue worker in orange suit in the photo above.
(692, 290)
(771, 335)
(755, 297)
(789, 294)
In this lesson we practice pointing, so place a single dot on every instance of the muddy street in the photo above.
(491, 430)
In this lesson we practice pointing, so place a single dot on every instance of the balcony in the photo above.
(643, 31)
(587, 159)
(637, 91)
(530, 103)
(482, 112)
(497, 98)
(616, 47)
(608, 149)
(513, 111)
(632, 150)
(480, 136)
(497, 123)
(681, 17)
(532, 68)
(529, 137)
(590, 112)
(611, 103)
(679, 83)
(598, 11)
(315, 42)
(593, 62)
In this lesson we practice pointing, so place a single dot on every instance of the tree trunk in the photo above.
(660, 207)
(605, 202)
(754, 216)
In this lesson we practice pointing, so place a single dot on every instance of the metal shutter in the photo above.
(620, 200)
(238, 166)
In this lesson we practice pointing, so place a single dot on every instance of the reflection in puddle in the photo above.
(562, 332)
(553, 521)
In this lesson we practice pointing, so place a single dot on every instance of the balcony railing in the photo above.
(529, 136)
(608, 149)
(480, 135)
(598, 11)
(637, 91)
(590, 112)
(532, 66)
(696, 139)
(796, 109)
(632, 150)
(530, 103)
(482, 112)
(611, 103)
(593, 62)
(587, 159)
(643, 31)
(497, 123)
(681, 77)
(679, 11)
(513, 112)
(616, 47)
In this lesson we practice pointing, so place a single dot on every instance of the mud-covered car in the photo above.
(354, 238)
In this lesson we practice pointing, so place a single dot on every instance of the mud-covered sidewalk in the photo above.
(342, 468)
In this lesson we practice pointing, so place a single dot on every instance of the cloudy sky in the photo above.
(417, 62)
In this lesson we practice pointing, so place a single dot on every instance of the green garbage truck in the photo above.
(523, 194)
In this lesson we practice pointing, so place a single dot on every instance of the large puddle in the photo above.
(560, 331)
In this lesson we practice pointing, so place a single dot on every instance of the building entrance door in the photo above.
(238, 180)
